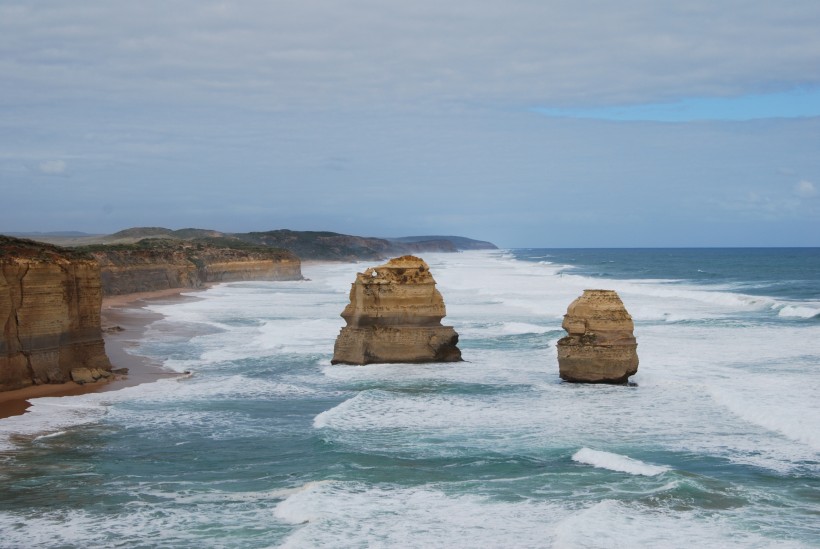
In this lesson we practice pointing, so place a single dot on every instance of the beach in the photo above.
(124, 319)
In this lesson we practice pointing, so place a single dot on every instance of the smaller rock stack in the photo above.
(394, 315)
(601, 346)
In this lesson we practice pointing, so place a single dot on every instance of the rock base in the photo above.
(378, 344)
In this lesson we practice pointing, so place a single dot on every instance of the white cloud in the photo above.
(805, 189)
(53, 167)
(320, 53)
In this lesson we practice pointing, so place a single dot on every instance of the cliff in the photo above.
(600, 346)
(394, 315)
(49, 313)
(157, 264)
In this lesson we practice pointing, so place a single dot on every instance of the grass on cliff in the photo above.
(23, 247)
(206, 244)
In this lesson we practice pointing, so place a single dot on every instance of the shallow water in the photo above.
(269, 445)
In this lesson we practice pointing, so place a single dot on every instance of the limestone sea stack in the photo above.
(394, 315)
(601, 346)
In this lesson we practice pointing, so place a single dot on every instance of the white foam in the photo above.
(617, 462)
(516, 328)
(796, 311)
(359, 515)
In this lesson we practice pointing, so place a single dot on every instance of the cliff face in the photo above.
(600, 347)
(159, 265)
(49, 314)
(394, 315)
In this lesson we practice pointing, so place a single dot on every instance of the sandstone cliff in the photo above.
(394, 315)
(49, 313)
(155, 264)
(600, 347)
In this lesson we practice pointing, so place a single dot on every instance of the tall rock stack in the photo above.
(601, 346)
(394, 315)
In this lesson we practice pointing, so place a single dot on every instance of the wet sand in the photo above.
(124, 321)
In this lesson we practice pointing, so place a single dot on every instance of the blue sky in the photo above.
(793, 103)
(528, 123)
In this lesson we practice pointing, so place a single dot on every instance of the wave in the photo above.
(617, 462)
(798, 311)
(433, 516)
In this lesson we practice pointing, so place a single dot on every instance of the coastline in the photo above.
(124, 320)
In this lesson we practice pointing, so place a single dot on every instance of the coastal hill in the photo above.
(460, 242)
(308, 245)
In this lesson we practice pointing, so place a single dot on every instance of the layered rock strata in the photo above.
(159, 265)
(394, 315)
(601, 346)
(49, 314)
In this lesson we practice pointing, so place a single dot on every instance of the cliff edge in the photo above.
(49, 314)
(159, 264)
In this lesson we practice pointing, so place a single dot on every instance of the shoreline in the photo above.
(124, 320)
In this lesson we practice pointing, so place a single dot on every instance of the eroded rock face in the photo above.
(394, 315)
(170, 264)
(49, 314)
(601, 346)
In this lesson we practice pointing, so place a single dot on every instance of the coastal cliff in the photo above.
(394, 315)
(49, 313)
(159, 264)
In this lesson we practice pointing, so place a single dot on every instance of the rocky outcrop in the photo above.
(49, 314)
(394, 315)
(600, 347)
(151, 265)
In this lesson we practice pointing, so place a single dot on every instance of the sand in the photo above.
(124, 321)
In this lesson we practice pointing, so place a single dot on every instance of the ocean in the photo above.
(265, 444)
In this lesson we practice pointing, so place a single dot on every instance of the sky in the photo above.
(567, 123)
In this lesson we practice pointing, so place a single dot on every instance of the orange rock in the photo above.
(601, 346)
(49, 314)
(394, 315)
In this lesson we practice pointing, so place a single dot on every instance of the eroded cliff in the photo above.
(155, 264)
(49, 313)
(394, 315)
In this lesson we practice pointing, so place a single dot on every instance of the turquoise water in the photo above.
(268, 445)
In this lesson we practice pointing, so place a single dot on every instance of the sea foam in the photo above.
(617, 462)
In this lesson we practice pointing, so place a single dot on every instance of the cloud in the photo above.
(805, 189)
(364, 54)
(53, 167)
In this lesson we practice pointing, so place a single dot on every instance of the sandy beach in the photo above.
(124, 321)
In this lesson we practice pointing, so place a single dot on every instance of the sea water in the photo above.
(266, 444)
